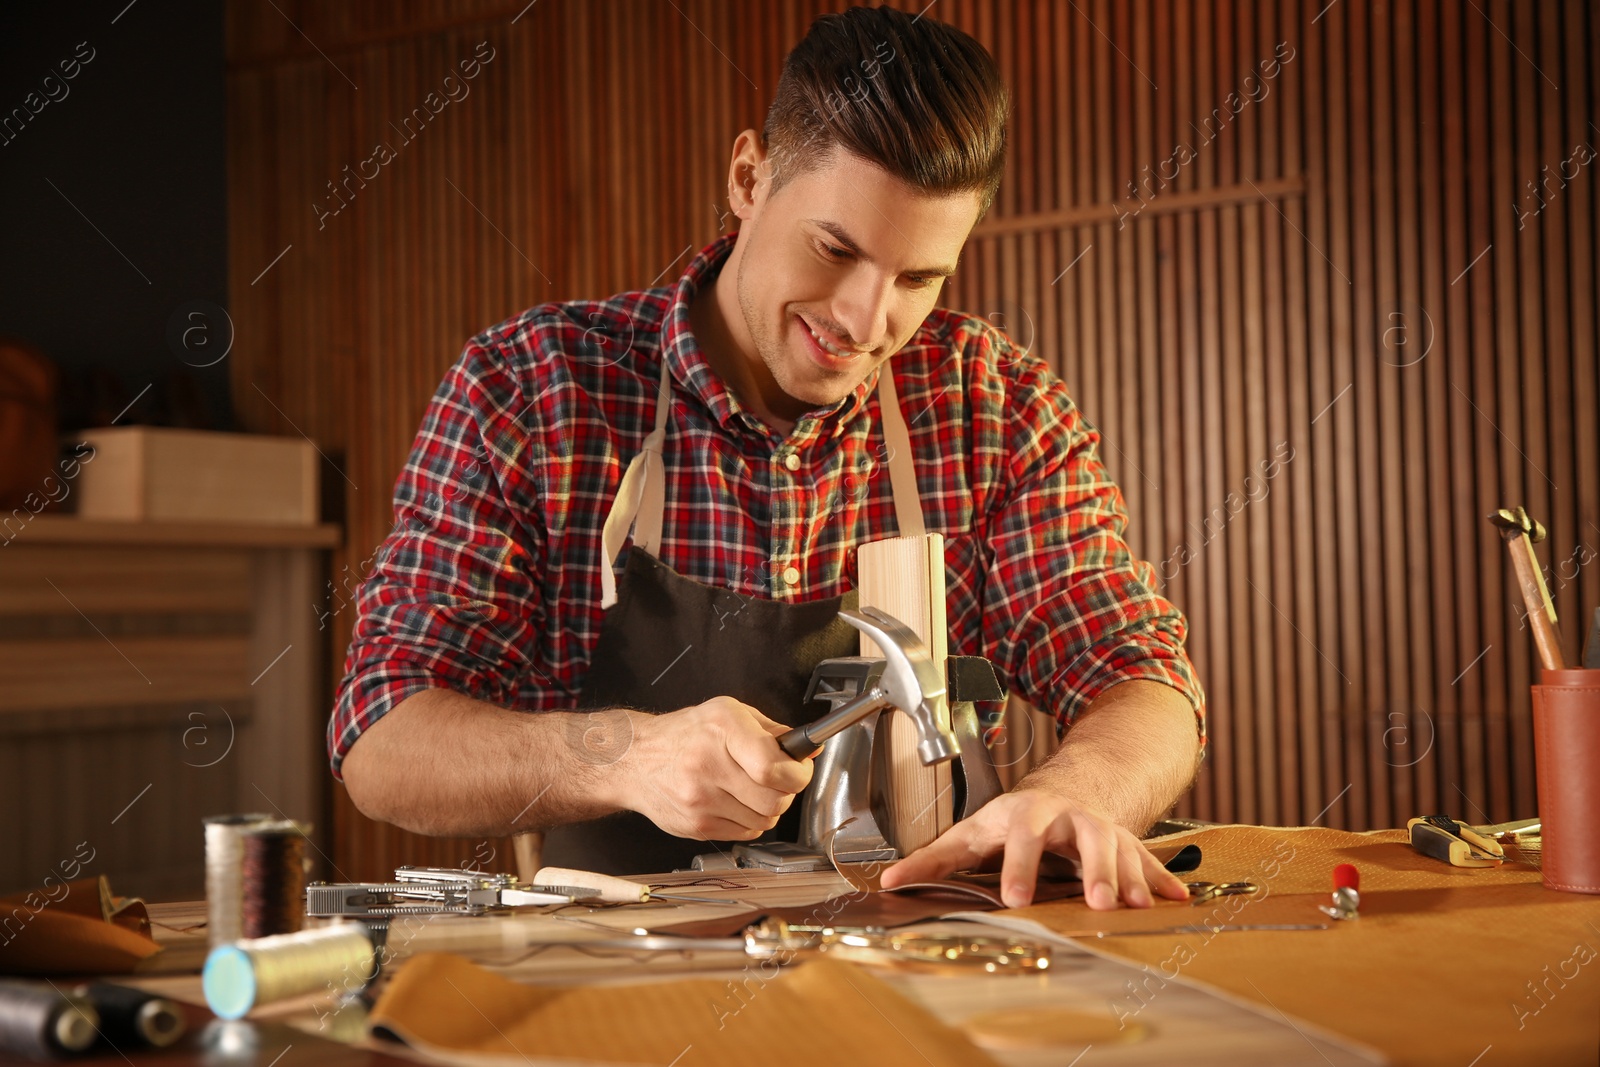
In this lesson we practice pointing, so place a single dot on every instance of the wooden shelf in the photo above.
(66, 530)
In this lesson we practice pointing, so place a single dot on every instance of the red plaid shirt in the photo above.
(490, 582)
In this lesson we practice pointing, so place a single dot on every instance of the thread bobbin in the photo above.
(273, 876)
(224, 879)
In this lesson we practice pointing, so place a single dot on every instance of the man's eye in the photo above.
(920, 283)
(833, 251)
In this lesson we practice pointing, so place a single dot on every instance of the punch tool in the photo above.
(1455, 843)
(434, 891)
(614, 890)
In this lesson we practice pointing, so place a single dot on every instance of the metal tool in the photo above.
(1521, 533)
(1200, 892)
(774, 939)
(1346, 893)
(909, 681)
(1209, 928)
(614, 890)
(783, 857)
(845, 813)
(434, 891)
(1457, 844)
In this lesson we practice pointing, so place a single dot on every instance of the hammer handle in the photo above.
(797, 744)
(1541, 614)
(803, 742)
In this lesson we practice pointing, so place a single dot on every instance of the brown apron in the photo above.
(668, 642)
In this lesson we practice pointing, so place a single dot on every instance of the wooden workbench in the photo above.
(1435, 965)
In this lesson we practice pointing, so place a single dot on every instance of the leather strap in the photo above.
(641, 499)
(902, 472)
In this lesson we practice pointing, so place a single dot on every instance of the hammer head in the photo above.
(1514, 521)
(911, 680)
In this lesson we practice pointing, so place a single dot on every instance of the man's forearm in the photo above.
(1129, 755)
(442, 763)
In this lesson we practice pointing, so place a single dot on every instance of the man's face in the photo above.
(838, 269)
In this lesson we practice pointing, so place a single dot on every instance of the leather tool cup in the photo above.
(1566, 733)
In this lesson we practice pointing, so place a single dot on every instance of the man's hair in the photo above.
(919, 98)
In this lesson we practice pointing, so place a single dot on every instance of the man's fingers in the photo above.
(717, 829)
(1131, 873)
(1097, 857)
(1020, 872)
(776, 729)
(953, 851)
(757, 799)
(1161, 880)
(764, 763)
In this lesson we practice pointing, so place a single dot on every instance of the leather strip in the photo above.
(902, 472)
(641, 499)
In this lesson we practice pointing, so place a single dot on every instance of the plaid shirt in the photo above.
(490, 584)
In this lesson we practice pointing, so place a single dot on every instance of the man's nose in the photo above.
(862, 309)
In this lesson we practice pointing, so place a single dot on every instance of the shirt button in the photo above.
(792, 461)
(791, 575)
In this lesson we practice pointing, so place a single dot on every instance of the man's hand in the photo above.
(710, 772)
(1026, 823)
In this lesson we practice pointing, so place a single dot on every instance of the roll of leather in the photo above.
(1566, 737)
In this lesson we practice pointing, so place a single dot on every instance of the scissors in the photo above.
(1201, 892)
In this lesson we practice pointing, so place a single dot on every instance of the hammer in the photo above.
(910, 682)
(1521, 533)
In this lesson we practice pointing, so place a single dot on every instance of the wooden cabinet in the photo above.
(152, 674)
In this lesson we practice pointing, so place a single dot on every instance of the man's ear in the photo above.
(749, 174)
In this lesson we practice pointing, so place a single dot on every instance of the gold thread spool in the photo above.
(239, 976)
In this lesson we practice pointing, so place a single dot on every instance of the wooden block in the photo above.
(144, 474)
(905, 577)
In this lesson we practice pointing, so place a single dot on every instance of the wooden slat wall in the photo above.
(150, 676)
(1339, 270)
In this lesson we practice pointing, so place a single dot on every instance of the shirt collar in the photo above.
(688, 364)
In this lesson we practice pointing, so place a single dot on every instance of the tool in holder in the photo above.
(907, 679)
(1521, 533)
(846, 812)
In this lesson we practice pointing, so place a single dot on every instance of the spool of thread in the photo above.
(131, 1016)
(239, 976)
(224, 888)
(273, 870)
(41, 1022)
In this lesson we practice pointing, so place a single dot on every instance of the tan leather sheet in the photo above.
(77, 928)
(1444, 963)
(446, 1005)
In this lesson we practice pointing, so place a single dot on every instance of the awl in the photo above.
(614, 890)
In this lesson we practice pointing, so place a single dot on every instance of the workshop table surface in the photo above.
(1469, 968)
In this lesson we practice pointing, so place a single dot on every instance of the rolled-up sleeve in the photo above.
(1068, 611)
(449, 599)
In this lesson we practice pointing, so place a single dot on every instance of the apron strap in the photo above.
(902, 471)
(641, 500)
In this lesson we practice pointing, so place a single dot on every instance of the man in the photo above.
(737, 424)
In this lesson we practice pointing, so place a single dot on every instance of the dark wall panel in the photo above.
(1323, 274)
